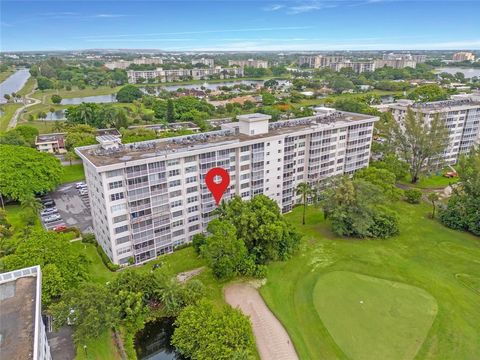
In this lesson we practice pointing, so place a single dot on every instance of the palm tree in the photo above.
(30, 202)
(433, 198)
(306, 191)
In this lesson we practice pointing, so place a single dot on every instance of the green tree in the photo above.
(203, 332)
(394, 165)
(170, 113)
(356, 208)
(430, 92)
(382, 178)
(340, 84)
(268, 99)
(306, 191)
(420, 143)
(129, 93)
(433, 198)
(90, 308)
(70, 156)
(224, 253)
(50, 248)
(30, 202)
(56, 99)
(263, 229)
(25, 172)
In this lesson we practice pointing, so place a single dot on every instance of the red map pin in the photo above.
(217, 188)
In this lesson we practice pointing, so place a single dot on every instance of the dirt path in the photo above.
(187, 275)
(273, 342)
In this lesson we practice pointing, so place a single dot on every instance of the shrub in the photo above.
(413, 196)
(106, 260)
(385, 224)
(197, 241)
(88, 238)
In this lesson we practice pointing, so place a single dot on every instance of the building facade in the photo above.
(463, 56)
(259, 64)
(320, 61)
(149, 197)
(123, 64)
(203, 61)
(22, 330)
(161, 75)
(356, 66)
(461, 116)
(395, 63)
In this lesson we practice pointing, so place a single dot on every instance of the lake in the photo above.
(155, 90)
(89, 99)
(13, 83)
(153, 342)
(468, 72)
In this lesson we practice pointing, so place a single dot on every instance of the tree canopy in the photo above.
(25, 172)
(203, 332)
(129, 93)
(63, 267)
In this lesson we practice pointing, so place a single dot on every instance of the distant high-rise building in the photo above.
(463, 56)
(462, 118)
(259, 64)
(319, 61)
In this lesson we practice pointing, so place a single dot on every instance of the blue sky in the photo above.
(240, 25)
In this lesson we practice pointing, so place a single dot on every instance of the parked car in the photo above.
(49, 204)
(78, 185)
(51, 218)
(49, 211)
(450, 174)
(60, 228)
(83, 192)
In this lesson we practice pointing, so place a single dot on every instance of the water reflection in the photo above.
(13, 83)
(153, 342)
(89, 99)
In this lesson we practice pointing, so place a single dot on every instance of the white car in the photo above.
(83, 192)
(51, 218)
(80, 185)
(49, 211)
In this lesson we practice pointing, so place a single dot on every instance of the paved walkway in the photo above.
(31, 101)
(273, 342)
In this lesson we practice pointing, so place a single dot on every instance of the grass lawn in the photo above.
(28, 87)
(45, 95)
(5, 74)
(72, 173)
(357, 310)
(6, 115)
(426, 263)
(15, 217)
(99, 349)
(434, 181)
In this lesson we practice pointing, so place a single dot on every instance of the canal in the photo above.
(13, 83)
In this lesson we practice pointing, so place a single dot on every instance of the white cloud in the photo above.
(273, 7)
(108, 15)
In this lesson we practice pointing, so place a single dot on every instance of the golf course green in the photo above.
(420, 291)
(357, 310)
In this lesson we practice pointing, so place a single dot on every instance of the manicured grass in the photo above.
(5, 74)
(7, 112)
(28, 87)
(45, 95)
(434, 181)
(357, 310)
(72, 173)
(426, 255)
(100, 348)
(15, 216)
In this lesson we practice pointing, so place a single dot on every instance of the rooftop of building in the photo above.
(465, 102)
(17, 317)
(213, 139)
(41, 138)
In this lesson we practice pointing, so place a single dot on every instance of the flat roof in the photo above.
(17, 318)
(441, 105)
(213, 139)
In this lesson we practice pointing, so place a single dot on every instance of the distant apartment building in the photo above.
(463, 56)
(320, 61)
(461, 116)
(418, 58)
(203, 61)
(259, 64)
(55, 143)
(395, 63)
(22, 332)
(160, 75)
(356, 66)
(123, 64)
(149, 197)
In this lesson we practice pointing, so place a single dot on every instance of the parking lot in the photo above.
(73, 209)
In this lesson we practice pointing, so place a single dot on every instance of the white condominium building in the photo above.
(148, 197)
(395, 63)
(320, 61)
(161, 75)
(461, 116)
(259, 64)
(356, 66)
(22, 332)
(123, 64)
(208, 62)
